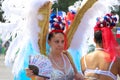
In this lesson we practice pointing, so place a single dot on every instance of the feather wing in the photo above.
(27, 19)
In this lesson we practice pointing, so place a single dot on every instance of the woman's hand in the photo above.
(78, 76)
(29, 73)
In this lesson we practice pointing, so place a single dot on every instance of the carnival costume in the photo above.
(27, 22)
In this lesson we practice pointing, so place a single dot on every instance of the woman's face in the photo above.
(57, 42)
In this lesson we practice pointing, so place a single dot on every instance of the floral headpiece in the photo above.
(108, 20)
(57, 22)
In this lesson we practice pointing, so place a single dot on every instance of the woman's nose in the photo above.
(61, 44)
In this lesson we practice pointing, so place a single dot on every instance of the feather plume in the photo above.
(22, 18)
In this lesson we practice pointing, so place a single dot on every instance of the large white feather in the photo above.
(21, 19)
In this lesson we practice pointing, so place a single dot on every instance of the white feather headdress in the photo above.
(22, 19)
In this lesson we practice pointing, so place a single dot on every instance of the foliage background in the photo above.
(63, 5)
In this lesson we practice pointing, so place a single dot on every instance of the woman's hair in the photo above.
(51, 34)
(98, 36)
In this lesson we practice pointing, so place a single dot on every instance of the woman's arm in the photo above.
(118, 59)
(82, 65)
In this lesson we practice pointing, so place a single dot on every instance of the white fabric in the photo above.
(60, 75)
(98, 71)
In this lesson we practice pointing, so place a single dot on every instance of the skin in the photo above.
(30, 74)
(57, 46)
(57, 43)
(97, 59)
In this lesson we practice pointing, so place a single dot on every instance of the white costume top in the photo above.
(60, 75)
(98, 71)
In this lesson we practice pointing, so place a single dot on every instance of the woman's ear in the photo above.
(94, 40)
(49, 42)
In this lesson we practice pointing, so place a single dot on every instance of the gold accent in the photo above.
(44, 26)
(74, 25)
(71, 60)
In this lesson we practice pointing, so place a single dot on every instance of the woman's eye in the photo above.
(59, 41)
(62, 41)
(56, 41)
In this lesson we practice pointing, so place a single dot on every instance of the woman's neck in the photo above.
(98, 46)
(58, 61)
(55, 54)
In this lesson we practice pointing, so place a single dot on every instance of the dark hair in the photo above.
(98, 36)
(51, 34)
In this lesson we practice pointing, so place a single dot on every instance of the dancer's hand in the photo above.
(78, 76)
(29, 73)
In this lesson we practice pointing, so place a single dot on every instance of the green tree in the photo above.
(1, 12)
(116, 10)
(63, 5)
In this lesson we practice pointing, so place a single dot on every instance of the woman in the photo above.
(104, 62)
(61, 64)
(62, 67)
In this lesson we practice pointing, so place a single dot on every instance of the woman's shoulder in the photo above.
(118, 63)
(118, 60)
(88, 55)
(92, 56)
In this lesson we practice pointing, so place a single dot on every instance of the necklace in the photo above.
(101, 49)
(57, 65)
